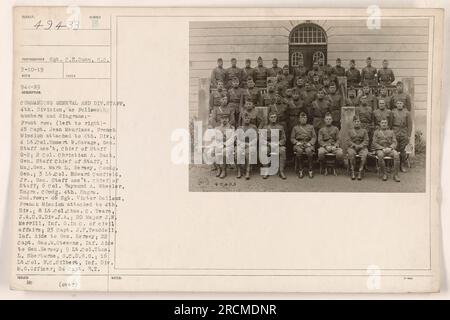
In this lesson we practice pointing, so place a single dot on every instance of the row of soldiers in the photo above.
(304, 141)
(320, 72)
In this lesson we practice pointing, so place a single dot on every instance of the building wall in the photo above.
(404, 42)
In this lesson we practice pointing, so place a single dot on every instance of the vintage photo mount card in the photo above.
(226, 149)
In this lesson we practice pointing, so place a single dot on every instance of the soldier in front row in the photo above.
(358, 144)
(402, 126)
(246, 147)
(329, 140)
(224, 140)
(268, 146)
(385, 143)
(303, 139)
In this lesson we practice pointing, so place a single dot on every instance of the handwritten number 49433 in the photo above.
(50, 24)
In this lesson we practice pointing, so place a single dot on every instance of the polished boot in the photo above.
(310, 174)
(310, 164)
(247, 172)
(396, 167)
(239, 173)
(219, 171)
(282, 175)
(301, 174)
(223, 174)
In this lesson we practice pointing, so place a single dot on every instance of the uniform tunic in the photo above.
(303, 134)
(402, 126)
(359, 141)
(217, 74)
(369, 76)
(405, 97)
(275, 71)
(384, 139)
(217, 113)
(335, 108)
(252, 95)
(233, 72)
(385, 76)
(261, 74)
(215, 98)
(247, 73)
(384, 114)
(353, 77)
(319, 109)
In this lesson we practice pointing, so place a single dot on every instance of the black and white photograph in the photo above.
(309, 105)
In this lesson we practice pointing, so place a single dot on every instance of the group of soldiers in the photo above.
(305, 105)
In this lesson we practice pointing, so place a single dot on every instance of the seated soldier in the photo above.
(217, 112)
(384, 143)
(246, 146)
(358, 144)
(303, 139)
(329, 140)
(223, 145)
(250, 110)
(402, 126)
(268, 145)
(215, 98)
(382, 113)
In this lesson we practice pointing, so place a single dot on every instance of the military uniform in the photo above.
(359, 142)
(252, 95)
(275, 71)
(386, 139)
(329, 136)
(231, 73)
(217, 74)
(253, 114)
(365, 115)
(402, 127)
(405, 97)
(303, 138)
(223, 147)
(247, 72)
(385, 76)
(261, 74)
(268, 146)
(300, 72)
(369, 76)
(215, 98)
(353, 77)
(319, 109)
(308, 97)
(335, 108)
(236, 100)
(326, 69)
(318, 73)
(384, 114)
(281, 109)
(218, 112)
(371, 100)
(246, 149)
(269, 98)
(285, 82)
(387, 99)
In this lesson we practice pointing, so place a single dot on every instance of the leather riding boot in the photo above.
(223, 174)
(247, 171)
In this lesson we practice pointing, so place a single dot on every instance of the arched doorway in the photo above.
(307, 42)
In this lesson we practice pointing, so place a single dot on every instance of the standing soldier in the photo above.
(218, 111)
(253, 114)
(270, 97)
(281, 109)
(382, 113)
(337, 71)
(217, 74)
(251, 93)
(246, 146)
(369, 73)
(353, 75)
(275, 70)
(233, 72)
(324, 68)
(300, 72)
(401, 95)
(247, 72)
(300, 86)
(295, 107)
(286, 82)
(353, 99)
(384, 143)
(216, 96)
(315, 72)
(370, 98)
(225, 139)
(261, 74)
(384, 96)
(385, 74)
(320, 107)
(336, 105)
(308, 97)
(402, 126)
(268, 146)
(329, 141)
(358, 144)
(236, 97)
(303, 138)
(365, 114)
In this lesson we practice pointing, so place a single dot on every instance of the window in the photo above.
(295, 58)
(308, 33)
(317, 55)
